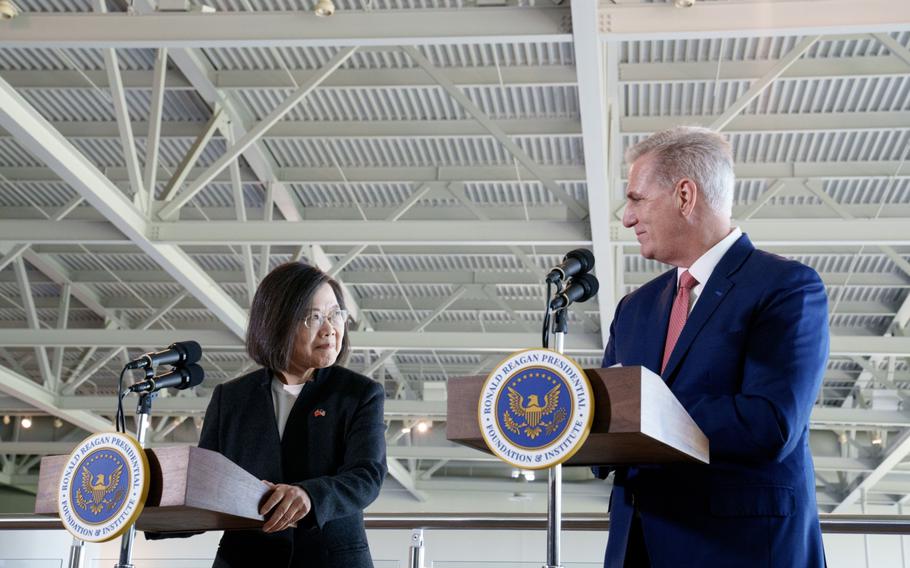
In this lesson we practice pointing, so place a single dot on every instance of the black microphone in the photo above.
(180, 378)
(578, 261)
(580, 289)
(180, 353)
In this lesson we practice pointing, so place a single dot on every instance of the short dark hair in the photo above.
(282, 301)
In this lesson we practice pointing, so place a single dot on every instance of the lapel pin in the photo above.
(319, 413)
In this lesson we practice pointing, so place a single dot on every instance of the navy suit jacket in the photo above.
(747, 368)
(337, 455)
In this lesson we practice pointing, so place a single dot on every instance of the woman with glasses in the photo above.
(311, 429)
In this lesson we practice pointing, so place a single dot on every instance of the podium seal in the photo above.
(535, 409)
(103, 487)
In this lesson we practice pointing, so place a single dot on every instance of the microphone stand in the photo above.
(144, 413)
(554, 478)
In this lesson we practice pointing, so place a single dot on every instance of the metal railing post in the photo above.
(415, 554)
(76, 550)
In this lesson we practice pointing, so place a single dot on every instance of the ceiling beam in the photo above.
(393, 129)
(153, 133)
(548, 75)
(840, 418)
(898, 325)
(199, 71)
(353, 28)
(498, 173)
(122, 113)
(581, 343)
(431, 210)
(894, 455)
(31, 315)
(419, 328)
(780, 232)
(360, 340)
(233, 80)
(845, 464)
(664, 22)
(406, 478)
(407, 277)
(99, 363)
(818, 68)
(762, 83)
(354, 233)
(475, 301)
(777, 122)
(599, 136)
(42, 232)
(39, 137)
(28, 391)
(164, 236)
(518, 154)
(239, 145)
(894, 46)
(56, 272)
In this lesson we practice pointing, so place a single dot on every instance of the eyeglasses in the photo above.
(337, 318)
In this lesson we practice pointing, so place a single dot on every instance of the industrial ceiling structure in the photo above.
(437, 157)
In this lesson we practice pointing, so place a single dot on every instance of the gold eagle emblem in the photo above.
(533, 413)
(95, 492)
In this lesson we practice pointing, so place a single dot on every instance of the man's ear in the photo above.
(686, 196)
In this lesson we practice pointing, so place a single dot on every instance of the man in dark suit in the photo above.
(741, 338)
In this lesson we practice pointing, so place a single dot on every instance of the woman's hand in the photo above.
(288, 504)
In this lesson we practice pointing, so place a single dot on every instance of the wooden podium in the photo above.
(637, 420)
(191, 489)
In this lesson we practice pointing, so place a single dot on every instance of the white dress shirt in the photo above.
(702, 268)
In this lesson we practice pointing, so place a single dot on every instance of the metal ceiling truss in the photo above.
(442, 257)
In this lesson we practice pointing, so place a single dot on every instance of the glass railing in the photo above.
(173, 563)
(154, 562)
(834, 524)
(536, 564)
(851, 541)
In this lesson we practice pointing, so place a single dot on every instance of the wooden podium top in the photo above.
(637, 420)
(191, 489)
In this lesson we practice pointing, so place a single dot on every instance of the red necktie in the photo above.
(678, 315)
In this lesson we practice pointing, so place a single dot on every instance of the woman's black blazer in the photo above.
(333, 447)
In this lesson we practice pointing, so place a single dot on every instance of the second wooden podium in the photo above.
(637, 420)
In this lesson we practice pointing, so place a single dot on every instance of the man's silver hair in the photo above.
(697, 153)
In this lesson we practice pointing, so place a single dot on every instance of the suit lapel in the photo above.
(307, 399)
(295, 461)
(267, 436)
(714, 292)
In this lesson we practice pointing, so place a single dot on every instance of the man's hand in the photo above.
(287, 503)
